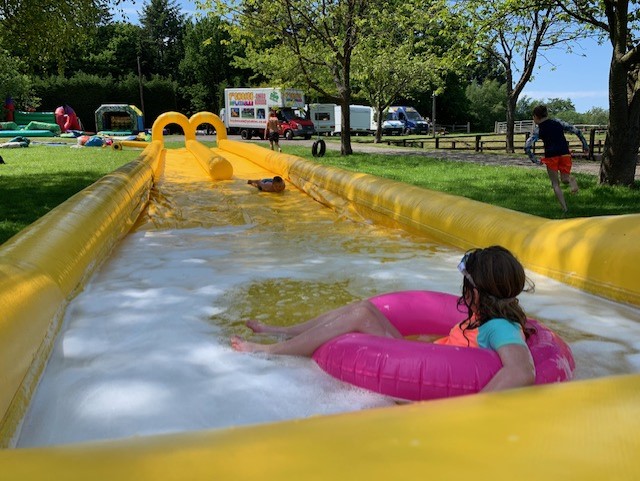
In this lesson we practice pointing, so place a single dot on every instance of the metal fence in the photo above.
(523, 126)
(519, 127)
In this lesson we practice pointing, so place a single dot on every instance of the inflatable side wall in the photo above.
(595, 254)
(43, 265)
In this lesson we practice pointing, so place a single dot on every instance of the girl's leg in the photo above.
(359, 317)
(555, 184)
(290, 331)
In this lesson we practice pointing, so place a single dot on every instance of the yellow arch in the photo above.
(209, 118)
(172, 118)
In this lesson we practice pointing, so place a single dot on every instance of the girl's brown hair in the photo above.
(499, 278)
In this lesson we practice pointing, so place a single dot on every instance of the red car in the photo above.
(292, 125)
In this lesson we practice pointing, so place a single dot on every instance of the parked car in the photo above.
(323, 118)
(412, 120)
(391, 125)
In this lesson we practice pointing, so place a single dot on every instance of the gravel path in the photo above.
(518, 159)
(579, 165)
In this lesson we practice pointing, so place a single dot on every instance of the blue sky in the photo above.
(582, 76)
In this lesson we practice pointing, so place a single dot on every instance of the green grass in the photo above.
(36, 179)
(522, 189)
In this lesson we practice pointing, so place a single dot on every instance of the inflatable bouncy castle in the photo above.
(119, 119)
(67, 119)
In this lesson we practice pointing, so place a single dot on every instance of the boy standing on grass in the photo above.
(557, 156)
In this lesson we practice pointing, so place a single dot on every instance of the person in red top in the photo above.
(9, 107)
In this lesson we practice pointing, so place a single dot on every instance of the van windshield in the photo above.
(413, 115)
(289, 114)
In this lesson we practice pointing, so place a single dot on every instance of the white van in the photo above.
(323, 117)
(361, 116)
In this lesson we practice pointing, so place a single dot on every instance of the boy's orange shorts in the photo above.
(560, 163)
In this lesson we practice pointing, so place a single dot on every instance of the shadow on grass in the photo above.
(29, 197)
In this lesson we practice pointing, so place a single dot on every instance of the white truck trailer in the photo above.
(361, 119)
(323, 117)
(247, 109)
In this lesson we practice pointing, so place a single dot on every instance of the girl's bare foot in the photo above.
(239, 344)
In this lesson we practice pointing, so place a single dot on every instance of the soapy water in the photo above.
(144, 349)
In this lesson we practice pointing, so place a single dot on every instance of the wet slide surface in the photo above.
(144, 349)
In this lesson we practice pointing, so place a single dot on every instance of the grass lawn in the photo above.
(522, 189)
(36, 179)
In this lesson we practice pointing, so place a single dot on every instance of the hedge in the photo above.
(85, 93)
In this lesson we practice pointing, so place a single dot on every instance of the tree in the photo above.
(617, 21)
(162, 32)
(487, 104)
(15, 84)
(46, 32)
(596, 116)
(113, 51)
(515, 35)
(208, 55)
(405, 49)
(302, 42)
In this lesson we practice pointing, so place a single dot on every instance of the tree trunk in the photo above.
(345, 127)
(379, 112)
(510, 128)
(512, 98)
(511, 116)
(620, 154)
(619, 157)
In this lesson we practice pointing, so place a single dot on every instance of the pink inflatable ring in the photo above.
(417, 370)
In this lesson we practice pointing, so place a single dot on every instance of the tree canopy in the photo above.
(618, 22)
(515, 34)
(44, 33)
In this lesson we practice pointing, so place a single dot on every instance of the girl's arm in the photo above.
(517, 370)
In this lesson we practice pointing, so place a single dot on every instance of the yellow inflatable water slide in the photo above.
(586, 430)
